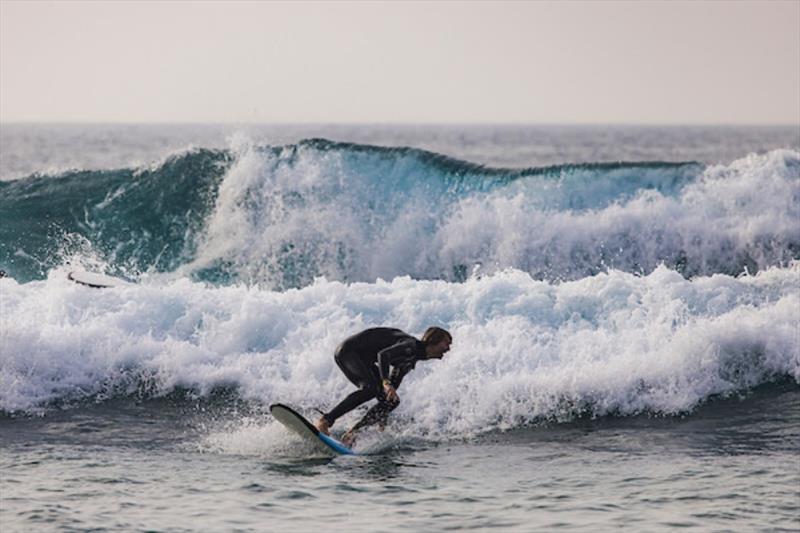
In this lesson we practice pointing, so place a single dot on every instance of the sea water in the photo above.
(624, 302)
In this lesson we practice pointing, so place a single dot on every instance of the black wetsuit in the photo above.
(368, 358)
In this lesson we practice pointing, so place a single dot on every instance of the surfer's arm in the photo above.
(386, 359)
(388, 356)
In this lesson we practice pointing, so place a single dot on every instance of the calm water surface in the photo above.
(733, 465)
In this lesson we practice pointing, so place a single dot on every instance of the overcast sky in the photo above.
(718, 62)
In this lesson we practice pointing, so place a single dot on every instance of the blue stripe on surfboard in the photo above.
(290, 418)
(335, 444)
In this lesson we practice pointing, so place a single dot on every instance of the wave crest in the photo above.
(282, 216)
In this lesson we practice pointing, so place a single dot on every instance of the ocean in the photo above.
(624, 303)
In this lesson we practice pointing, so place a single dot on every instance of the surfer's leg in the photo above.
(364, 377)
(378, 414)
(352, 401)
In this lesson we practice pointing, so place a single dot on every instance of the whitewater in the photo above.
(525, 350)
(625, 314)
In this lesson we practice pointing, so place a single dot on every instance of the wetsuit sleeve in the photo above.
(392, 355)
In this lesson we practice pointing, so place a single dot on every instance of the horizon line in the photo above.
(393, 123)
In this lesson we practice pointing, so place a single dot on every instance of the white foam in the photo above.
(523, 350)
(732, 217)
(255, 436)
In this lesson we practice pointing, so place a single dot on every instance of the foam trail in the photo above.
(524, 349)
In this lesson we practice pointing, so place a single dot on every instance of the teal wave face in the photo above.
(133, 220)
(569, 186)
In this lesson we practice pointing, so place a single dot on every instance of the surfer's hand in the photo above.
(391, 394)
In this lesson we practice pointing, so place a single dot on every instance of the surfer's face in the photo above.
(436, 351)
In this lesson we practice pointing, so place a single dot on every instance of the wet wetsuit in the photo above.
(368, 358)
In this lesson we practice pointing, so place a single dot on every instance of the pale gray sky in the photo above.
(718, 62)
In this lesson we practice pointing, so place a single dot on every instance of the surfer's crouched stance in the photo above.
(376, 360)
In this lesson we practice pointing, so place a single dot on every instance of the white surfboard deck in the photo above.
(96, 281)
(299, 425)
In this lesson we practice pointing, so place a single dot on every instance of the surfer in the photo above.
(376, 360)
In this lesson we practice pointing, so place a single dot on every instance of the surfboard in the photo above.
(96, 281)
(299, 425)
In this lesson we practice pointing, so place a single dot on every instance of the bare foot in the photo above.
(323, 426)
(349, 438)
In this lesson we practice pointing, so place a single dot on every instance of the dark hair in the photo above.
(434, 335)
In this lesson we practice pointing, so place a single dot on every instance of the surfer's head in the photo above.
(437, 342)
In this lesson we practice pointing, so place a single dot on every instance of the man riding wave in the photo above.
(376, 360)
